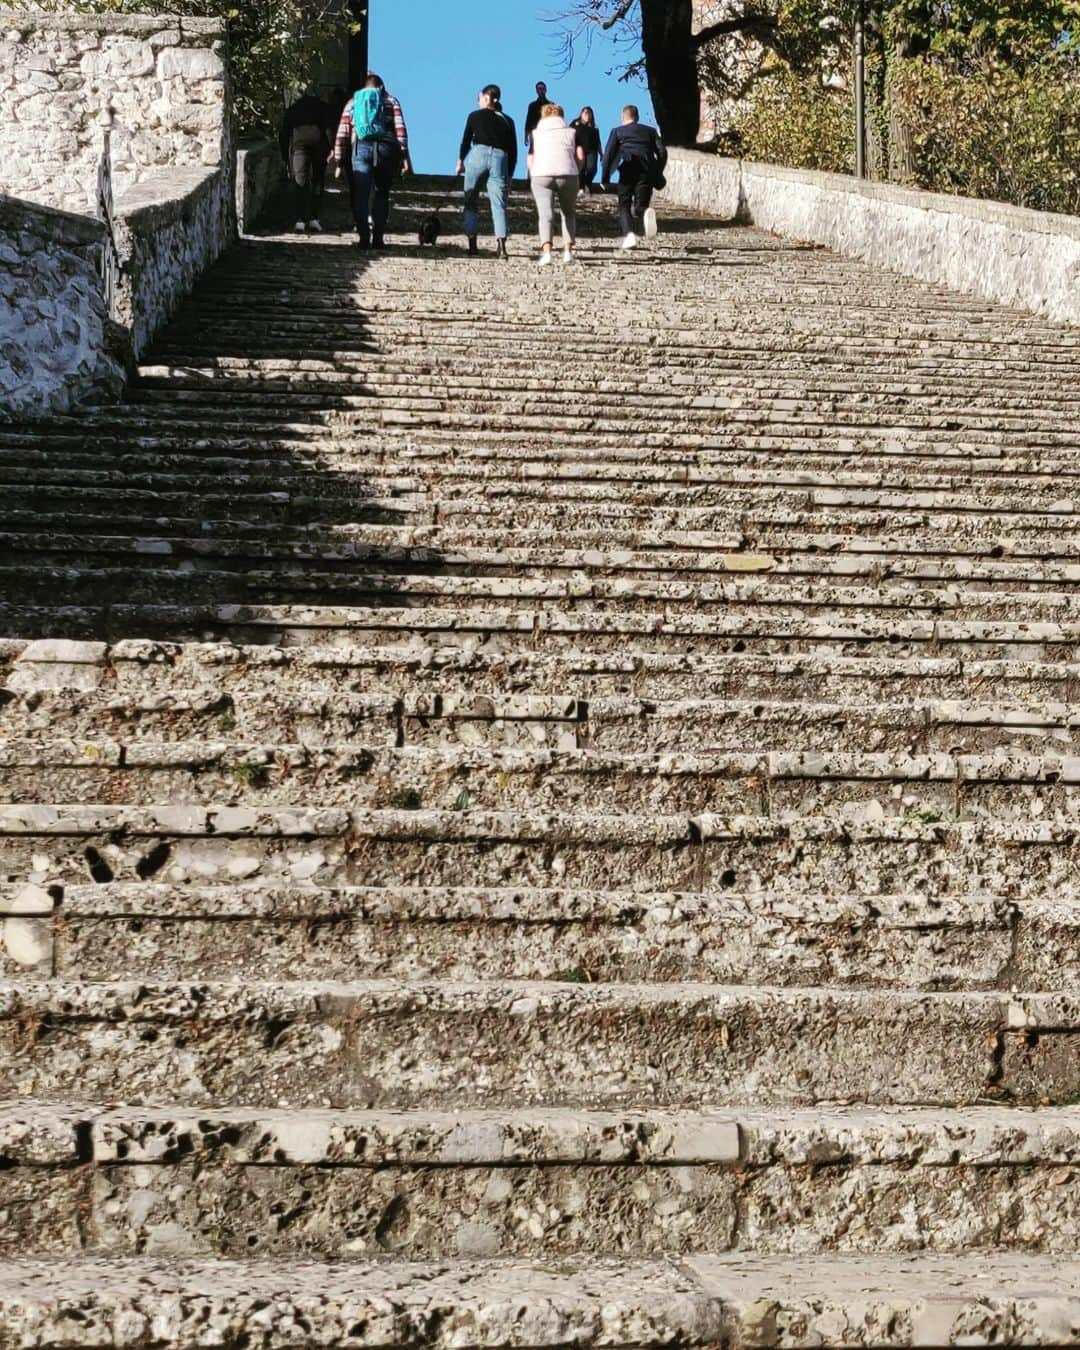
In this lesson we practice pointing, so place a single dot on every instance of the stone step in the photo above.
(226, 712)
(785, 785)
(184, 930)
(444, 528)
(703, 484)
(382, 1043)
(868, 453)
(189, 1183)
(510, 631)
(519, 553)
(119, 435)
(142, 667)
(861, 852)
(849, 1302)
(742, 587)
(534, 408)
(940, 393)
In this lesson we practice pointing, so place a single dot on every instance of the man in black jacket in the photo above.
(640, 156)
(536, 107)
(304, 140)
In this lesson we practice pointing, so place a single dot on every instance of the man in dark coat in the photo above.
(305, 145)
(640, 156)
(536, 107)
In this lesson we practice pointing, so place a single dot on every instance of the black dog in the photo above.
(430, 229)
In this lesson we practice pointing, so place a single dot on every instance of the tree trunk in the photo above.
(671, 63)
(902, 159)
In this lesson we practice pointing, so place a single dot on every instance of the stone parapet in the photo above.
(1029, 259)
(169, 230)
(56, 347)
(260, 175)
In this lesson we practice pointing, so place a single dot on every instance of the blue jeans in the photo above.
(486, 167)
(374, 168)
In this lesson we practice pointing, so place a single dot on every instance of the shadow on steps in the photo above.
(233, 474)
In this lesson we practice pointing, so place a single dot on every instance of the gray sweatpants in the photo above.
(546, 190)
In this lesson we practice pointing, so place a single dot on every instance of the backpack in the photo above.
(369, 116)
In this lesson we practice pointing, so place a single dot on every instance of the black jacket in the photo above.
(532, 117)
(308, 111)
(488, 127)
(588, 136)
(633, 142)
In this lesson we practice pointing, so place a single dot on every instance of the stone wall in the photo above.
(169, 230)
(56, 341)
(164, 79)
(1030, 259)
(260, 177)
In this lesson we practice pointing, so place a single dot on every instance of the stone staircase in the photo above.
(542, 810)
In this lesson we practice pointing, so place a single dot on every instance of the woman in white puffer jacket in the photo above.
(555, 161)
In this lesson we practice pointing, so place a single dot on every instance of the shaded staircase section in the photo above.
(543, 810)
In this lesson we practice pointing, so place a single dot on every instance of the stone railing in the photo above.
(1030, 259)
(58, 346)
(169, 230)
(260, 177)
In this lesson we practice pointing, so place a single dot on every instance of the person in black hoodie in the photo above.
(488, 158)
(588, 140)
(639, 155)
(305, 147)
(534, 110)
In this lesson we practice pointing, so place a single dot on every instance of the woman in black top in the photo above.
(488, 158)
(588, 139)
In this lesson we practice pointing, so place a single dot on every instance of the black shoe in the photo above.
(501, 252)
(378, 242)
(474, 246)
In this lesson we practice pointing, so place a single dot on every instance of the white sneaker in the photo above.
(301, 226)
(651, 227)
(546, 259)
(568, 255)
(631, 240)
(314, 225)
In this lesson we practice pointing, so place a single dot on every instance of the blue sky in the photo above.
(435, 55)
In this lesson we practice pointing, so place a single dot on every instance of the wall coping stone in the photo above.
(164, 194)
(29, 21)
(976, 208)
(63, 227)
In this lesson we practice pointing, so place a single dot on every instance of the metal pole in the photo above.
(860, 91)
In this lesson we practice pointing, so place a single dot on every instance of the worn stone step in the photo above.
(403, 670)
(931, 787)
(218, 556)
(365, 1043)
(181, 930)
(849, 1302)
(861, 851)
(528, 1183)
(595, 598)
(218, 705)
(507, 630)
(938, 395)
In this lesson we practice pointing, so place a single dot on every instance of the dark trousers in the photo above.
(587, 176)
(374, 167)
(307, 168)
(635, 194)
